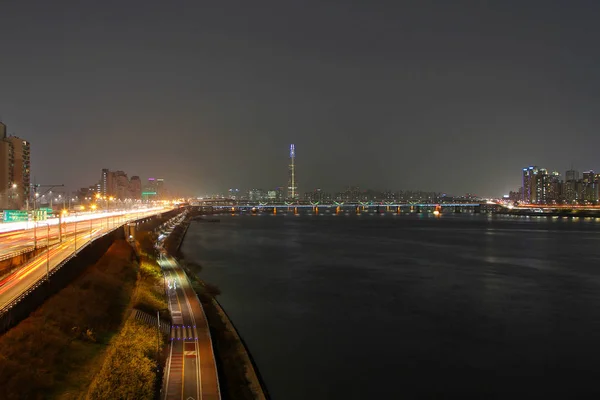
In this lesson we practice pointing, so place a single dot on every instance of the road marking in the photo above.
(189, 349)
(184, 284)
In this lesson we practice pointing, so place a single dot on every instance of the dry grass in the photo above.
(129, 370)
(42, 357)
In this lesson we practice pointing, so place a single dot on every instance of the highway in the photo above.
(191, 371)
(16, 237)
(76, 234)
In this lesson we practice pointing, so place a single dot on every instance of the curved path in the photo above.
(191, 370)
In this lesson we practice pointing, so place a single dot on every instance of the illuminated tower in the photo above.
(292, 183)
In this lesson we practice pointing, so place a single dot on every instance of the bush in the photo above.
(129, 370)
(150, 294)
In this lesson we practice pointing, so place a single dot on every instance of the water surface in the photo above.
(403, 306)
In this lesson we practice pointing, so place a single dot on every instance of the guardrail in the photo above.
(18, 253)
(51, 272)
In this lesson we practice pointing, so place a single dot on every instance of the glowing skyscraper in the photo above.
(292, 183)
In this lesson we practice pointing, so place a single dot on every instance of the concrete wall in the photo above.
(10, 264)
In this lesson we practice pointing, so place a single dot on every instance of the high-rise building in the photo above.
(105, 182)
(15, 165)
(135, 188)
(279, 194)
(571, 186)
(160, 188)
(572, 175)
(256, 195)
(5, 168)
(292, 182)
(233, 194)
(529, 175)
(541, 187)
(149, 192)
(120, 185)
(589, 187)
(555, 192)
(116, 184)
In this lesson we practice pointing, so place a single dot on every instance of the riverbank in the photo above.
(238, 375)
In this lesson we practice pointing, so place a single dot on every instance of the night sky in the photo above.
(453, 96)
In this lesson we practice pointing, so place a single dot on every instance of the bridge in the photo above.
(344, 207)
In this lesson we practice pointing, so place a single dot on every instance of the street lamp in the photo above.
(47, 251)
(13, 195)
(75, 232)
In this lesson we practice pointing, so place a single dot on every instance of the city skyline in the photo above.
(291, 171)
(448, 97)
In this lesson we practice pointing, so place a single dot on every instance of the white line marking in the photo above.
(168, 371)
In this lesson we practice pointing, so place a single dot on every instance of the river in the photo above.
(407, 306)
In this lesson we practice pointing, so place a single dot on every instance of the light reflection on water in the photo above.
(400, 305)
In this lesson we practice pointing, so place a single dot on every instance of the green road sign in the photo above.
(40, 215)
(15, 216)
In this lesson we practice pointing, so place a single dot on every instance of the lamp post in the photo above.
(12, 197)
(35, 196)
(47, 251)
(75, 232)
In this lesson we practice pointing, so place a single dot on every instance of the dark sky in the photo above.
(454, 96)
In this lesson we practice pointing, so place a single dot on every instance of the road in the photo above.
(191, 371)
(21, 236)
(12, 286)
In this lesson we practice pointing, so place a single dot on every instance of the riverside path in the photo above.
(191, 371)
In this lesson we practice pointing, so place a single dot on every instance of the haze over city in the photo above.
(453, 97)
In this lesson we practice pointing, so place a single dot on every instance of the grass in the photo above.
(129, 370)
(150, 294)
(44, 355)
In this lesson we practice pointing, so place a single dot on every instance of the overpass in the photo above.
(61, 242)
